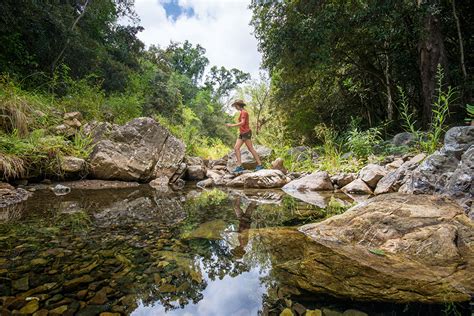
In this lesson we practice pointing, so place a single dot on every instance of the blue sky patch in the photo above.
(174, 10)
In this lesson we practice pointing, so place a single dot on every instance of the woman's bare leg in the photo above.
(237, 146)
(248, 143)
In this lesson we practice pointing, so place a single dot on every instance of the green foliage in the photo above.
(362, 143)
(470, 113)
(293, 163)
(121, 108)
(332, 151)
(406, 114)
(322, 73)
(431, 140)
(378, 252)
(84, 96)
(440, 112)
(210, 198)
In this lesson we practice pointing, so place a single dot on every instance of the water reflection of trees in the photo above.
(133, 243)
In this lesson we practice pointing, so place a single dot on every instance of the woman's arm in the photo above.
(236, 124)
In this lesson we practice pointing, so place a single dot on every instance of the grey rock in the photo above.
(160, 184)
(403, 139)
(207, 183)
(71, 164)
(260, 179)
(247, 159)
(395, 179)
(196, 169)
(457, 140)
(13, 196)
(342, 179)
(317, 181)
(357, 187)
(371, 174)
(140, 150)
(449, 171)
(60, 189)
(279, 164)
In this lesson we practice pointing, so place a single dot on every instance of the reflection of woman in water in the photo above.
(245, 220)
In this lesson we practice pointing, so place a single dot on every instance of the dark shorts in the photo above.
(246, 136)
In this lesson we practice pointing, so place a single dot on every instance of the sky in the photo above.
(220, 26)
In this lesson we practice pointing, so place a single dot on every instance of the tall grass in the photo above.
(440, 112)
(431, 140)
(332, 151)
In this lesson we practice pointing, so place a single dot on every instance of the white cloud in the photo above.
(220, 26)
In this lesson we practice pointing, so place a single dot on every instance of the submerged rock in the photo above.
(10, 196)
(394, 247)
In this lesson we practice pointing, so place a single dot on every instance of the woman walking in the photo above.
(245, 137)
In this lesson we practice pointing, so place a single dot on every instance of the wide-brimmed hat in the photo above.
(239, 102)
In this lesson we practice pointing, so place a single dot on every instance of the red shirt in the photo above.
(244, 116)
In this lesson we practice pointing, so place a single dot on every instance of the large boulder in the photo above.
(266, 178)
(247, 159)
(371, 174)
(317, 181)
(449, 171)
(140, 150)
(394, 247)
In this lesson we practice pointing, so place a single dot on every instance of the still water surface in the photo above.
(139, 252)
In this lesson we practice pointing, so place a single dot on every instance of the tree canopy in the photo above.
(330, 60)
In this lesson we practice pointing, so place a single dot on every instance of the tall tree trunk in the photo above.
(61, 53)
(432, 52)
(461, 46)
(387, 84)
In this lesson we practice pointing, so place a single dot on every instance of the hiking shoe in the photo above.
(259, 167)
(238, 169)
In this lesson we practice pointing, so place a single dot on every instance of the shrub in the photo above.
(470, 113)
(362, 143)
(121, 108)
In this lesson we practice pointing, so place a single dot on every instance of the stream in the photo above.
(136, 251)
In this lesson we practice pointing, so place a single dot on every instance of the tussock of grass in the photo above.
(11, 166)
